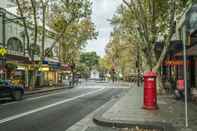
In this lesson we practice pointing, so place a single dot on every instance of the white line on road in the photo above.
(38, 97)
(43, 96)
(34, 98)
(46, 107)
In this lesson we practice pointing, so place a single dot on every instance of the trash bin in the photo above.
(150, 91)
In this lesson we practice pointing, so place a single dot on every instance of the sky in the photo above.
(102, 11)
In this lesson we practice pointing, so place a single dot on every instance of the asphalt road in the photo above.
(55, 111)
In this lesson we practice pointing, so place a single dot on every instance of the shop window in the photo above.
(180, 72)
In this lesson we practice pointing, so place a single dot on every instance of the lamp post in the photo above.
(185, 84)
(138, 66)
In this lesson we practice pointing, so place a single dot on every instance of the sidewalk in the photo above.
(128, 112)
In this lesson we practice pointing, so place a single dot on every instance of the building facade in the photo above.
(186, 34)
(13, 39)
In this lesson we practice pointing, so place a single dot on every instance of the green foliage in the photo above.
(3, 52)
(89, 59)
(34, 49)
(144, 22)
(11, 66)
(121, 54)
(104, 64)
(83, 70)
(72, 19)
(49, 52)
(66, 12)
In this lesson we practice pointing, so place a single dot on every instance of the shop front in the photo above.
(191, 53)
(2, 68)
(173, 68)
(65, 71)
(51, 72)
(17, 70)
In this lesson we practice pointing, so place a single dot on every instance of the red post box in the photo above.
(150, 91)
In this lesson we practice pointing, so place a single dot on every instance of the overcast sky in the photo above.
(102, 10)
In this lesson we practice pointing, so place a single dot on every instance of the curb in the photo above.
(47, 90)
(101, 121)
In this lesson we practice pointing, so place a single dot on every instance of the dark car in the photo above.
(9, 90)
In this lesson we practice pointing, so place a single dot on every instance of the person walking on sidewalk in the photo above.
(179, 91)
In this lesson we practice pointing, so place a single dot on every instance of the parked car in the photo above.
(7, 89)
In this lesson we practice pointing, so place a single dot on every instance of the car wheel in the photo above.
(17, 95)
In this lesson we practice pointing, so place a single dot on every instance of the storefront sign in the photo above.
(52, 64)
(65, 66)
(18, 73)
(20, 68)
(175, 62)
(44, 69)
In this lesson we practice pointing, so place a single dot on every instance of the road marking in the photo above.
(43, 96)
(46, 107)
(34, 98)
(38, 97)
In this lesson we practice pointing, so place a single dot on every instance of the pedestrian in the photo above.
(179, 91)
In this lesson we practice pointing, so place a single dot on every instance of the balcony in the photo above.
(17, 53)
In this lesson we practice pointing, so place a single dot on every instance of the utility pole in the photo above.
(138, 66)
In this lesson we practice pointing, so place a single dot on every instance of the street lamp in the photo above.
(185, 82)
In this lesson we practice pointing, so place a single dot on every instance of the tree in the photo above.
(24, 22)
(121, 54)
(44, 5)
(90, 60)
(31, 10)
(72, 21)
(66, 12)
(146, 21)
(71, 24)
(83, 70)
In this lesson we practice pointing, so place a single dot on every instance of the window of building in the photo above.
(14, 44)
(193, 21)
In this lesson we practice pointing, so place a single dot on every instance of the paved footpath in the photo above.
(128, 112)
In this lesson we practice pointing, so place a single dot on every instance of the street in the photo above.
(55, 111)
(98, 65)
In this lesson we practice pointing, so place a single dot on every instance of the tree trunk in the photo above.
(33, 3)
(57, 40)
(160, 84)
(60, 35)
(73, 74)
(34, 77)
(26, 32)
(43, 29)
(44, 7)
(25, 24)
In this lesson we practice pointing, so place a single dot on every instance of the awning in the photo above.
(20, 59)
(192, 51)
(54, 65)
